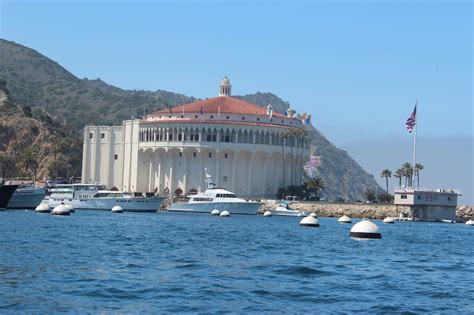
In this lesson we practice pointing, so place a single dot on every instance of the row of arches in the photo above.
(291, 138)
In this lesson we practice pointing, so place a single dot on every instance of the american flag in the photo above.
(411, 121)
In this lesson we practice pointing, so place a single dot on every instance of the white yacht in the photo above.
(97, 197)
(284, 209)
(26, 197)
(216, 198)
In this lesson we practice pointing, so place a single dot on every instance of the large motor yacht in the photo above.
(216, 198)
(98, 197)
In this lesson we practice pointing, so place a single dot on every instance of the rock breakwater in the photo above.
(363, 210)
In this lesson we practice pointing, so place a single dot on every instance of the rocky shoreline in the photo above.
(362, 210)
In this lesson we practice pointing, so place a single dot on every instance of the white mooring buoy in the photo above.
(267, 214)
(344, 219)
(117, 209)
(365, 229)
(225, 213)
(60, 210)
(309, 221)
(42, 208)
(215, 212)
(389, 220)
(470, 222)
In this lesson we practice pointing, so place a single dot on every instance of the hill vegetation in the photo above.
(55, 104)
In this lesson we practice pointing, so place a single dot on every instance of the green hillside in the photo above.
(48, 91)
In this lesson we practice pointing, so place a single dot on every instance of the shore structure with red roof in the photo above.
(249, 149)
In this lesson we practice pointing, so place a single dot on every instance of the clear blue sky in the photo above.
(358, 66)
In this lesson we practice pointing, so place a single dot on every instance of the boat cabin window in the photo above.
(225, 196)
(202, 199)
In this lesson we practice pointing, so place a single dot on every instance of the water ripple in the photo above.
(97, 262)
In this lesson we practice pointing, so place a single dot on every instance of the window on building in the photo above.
(225, 155)
(258, 119)
(116, 157)
(196, 137)
(180, 154)
(212, 116)
(243, 118)
(194, 154)
(209, 138)
(170, 137)
(102, 135)
(227, 117)
(91, 135)
(419, 197)
(196, 116)
(210, 154)
(449, 198)
(224, 179)
(403, 196)
(180, 137)
(182, 116)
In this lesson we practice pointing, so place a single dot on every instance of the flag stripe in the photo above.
(411, 121)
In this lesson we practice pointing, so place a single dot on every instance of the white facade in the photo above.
(167, 151)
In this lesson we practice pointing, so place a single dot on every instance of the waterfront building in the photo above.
(428, 205)
(249, 149)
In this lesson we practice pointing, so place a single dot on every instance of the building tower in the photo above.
(225, 89)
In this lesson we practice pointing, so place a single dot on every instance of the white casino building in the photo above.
(240, 144)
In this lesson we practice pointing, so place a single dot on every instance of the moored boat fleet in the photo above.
(62, 199)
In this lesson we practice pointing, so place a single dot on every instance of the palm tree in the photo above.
(56, 148)
(30, 161)
(418, 167)
(399, 174)
(315, 184)
(7, 163)
(407, 171)
(386, 173)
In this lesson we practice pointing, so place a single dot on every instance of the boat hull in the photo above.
(26, 198)
(151, 204)
(248, 208)
(6, 192)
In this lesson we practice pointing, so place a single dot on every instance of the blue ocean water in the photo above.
(171, 262)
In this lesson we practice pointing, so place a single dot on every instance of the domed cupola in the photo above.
(225, 88)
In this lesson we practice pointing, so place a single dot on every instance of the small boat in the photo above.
(470, 222)
(389, 220)
(284, 209)
(448, 221)
(98, 197)
(215, 198)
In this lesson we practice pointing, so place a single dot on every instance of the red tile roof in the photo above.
(227, 105)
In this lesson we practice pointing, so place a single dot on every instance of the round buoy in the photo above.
(60, 210)
(70, 208)
(365, 229)
(389, 220)
(313, 214)
(117, 209)
(267, 214)
(344, 219)
(42, 208)
(225, 213)
(215, 212)
(309, 221)
(470, 222)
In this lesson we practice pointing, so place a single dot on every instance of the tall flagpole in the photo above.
(414, 146)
